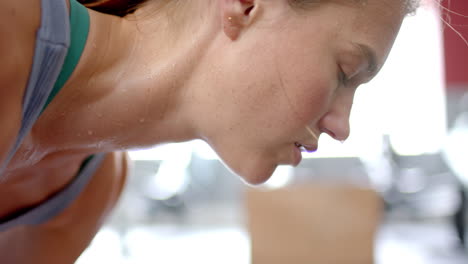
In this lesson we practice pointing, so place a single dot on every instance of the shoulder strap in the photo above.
(51, 46)
(79, 28)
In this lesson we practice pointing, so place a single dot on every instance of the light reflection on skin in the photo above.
(312, 133)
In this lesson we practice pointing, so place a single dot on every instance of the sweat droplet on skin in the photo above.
(142, 120)
(90, 132)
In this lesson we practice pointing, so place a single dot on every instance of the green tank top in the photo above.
(79, 28)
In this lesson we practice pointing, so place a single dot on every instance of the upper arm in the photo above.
(19, 21)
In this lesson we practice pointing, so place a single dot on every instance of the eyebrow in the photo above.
(371, 58)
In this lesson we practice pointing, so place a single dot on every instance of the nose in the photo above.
(336, 121)
(335, 126)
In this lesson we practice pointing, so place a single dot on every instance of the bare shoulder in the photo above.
(19, 21)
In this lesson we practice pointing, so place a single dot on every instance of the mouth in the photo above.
(309, 148)
(298, 149)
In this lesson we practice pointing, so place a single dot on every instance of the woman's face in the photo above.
(289, 69)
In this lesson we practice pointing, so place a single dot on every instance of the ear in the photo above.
(236, 16)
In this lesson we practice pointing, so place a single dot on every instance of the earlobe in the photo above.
(236, 16)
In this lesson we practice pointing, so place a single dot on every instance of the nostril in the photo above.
(330, 133)
(335, 124)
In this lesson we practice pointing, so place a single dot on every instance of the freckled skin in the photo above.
(282, 75)
(248, 85)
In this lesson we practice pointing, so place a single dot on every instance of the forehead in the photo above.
(377, 23)
(406, 6)
(368, 8)
(374, 23)
(387, 11)
(401, 7)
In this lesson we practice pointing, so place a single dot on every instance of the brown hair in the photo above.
(113, 7)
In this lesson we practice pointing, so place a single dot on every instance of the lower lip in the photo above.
(297, 156)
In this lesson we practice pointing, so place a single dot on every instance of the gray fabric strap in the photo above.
(52, 42)
(57, 203)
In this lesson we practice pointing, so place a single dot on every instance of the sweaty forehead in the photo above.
(406, 6)
(402, 6)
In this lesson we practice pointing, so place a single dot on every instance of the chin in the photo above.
(254, 175)
(254, 169)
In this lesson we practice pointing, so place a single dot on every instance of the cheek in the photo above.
(282, 85)
(309, 78)
(310, 91)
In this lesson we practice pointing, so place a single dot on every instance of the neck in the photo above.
(130, 87)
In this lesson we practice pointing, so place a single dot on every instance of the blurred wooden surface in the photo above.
(321, 224)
